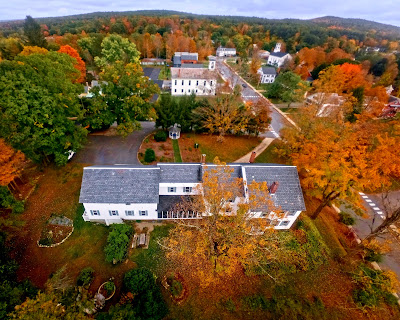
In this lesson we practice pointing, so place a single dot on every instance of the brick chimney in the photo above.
(203, 158)
(274, 187)
(252, 157)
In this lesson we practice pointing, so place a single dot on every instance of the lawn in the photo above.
(269, 155)
(153, 257)
(231, 149)
(165, 73)
(58, 192)
(177, 152)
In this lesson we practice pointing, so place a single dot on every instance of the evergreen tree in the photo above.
(33, 33)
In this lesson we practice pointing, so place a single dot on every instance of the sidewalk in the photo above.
(258, 150)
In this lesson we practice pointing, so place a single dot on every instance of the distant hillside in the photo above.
(360, 24)
(353, 26)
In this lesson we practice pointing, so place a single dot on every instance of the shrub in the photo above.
(149, 155)
(176, 288)
(139, 280)
(46, 242)
(8, 201)
(346, 218)
(85, 277)
(109, 286)
(117, 242)
(373, 286)
(149, 303)
(160, 136)
(373, 256)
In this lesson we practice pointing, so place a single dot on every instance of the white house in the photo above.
(225, 52)
(200, 81)
(278, 59)
(118, 193)
(267, 74)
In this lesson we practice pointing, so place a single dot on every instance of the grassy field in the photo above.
(230, 149)
(269, 155)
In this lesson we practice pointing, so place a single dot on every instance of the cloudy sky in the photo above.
(385, 11)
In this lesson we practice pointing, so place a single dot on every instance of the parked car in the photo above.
(244, 85)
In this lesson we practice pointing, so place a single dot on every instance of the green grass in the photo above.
(165, 73)
(177, 152)
(153, 257)
(269, 155)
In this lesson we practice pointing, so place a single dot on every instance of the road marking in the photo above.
(365, 197)
(376, 208)
(368, 200)
(372, 204)
(379, 212)
(361, 194)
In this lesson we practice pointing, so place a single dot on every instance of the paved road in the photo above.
(113, 149)
(248, 94)
(374, 216)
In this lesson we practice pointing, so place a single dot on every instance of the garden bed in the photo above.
(56, 231)
(163, 150)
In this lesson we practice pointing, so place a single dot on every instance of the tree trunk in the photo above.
(330, 197)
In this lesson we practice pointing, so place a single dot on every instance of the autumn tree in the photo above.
(222, 115)
(225, 239)
(329, 162)
(33, 32)
(79, 65)
(255, 65)
(158, 44)
(33, 49)
(125, 97)
(117, 49)
(11, 163)
(36, 108)
(10, 47)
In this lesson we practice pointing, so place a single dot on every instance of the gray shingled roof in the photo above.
(278, 54)
(192, 65)
(268, 70)
(120, 184)
(289, 196)
(178, 172)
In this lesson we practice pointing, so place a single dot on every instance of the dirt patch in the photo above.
(163, 149)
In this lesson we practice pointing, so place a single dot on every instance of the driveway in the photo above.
(113, 149)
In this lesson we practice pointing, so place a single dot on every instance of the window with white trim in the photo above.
(113, 212)
(175, 90)
(187, 189)
(211, 83)
(143, 213)
(171, 189)
(197, 82)
(95, 212)
(182, 90)
(190, 82)
(176, 82)
(183, 82)
(284, 223)
(129, 213)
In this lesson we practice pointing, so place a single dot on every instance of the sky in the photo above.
(385, 11)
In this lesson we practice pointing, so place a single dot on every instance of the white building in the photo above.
(267, 74)
(278, 47)
(118, 193)
(225, 52)
(200, 81)
(278, 59)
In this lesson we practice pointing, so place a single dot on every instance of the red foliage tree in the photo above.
(80, 64)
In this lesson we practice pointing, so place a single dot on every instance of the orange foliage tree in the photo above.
(11, 163)
(225, 239)
(80, 64)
